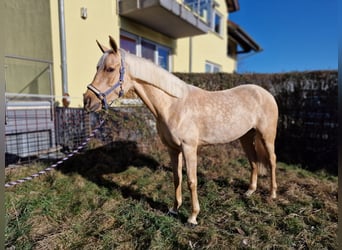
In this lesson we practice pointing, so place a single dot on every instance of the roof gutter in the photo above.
(62, 38)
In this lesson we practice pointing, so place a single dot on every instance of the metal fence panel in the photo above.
(29, 129)
(37, 130)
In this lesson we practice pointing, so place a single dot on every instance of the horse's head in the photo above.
(107, 84)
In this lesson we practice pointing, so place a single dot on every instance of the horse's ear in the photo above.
(113, 44)
(102, 48)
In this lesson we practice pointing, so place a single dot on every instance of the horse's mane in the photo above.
(150, 73)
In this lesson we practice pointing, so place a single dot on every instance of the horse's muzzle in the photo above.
(89, 105)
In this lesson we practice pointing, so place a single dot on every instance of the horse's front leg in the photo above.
(176, 163)
(190, 157)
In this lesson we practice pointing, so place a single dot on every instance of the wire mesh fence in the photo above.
(39, 131)
(72, 127)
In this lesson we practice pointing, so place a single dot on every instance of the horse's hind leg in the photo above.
(176, 163)
(190, 157)
(272, 160)
(247, 142)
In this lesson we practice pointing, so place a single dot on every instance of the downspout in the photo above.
(63, 46)
(190, 54)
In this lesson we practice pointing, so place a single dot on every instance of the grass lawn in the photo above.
(117, 198)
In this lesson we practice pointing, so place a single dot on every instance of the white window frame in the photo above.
(216, 13)
(212, 66)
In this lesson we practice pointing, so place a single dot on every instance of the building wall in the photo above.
(202, 52)
(28, 34)
(103, 20)
(143, 31)
(81, 35)
(193, 52)
(32, 30)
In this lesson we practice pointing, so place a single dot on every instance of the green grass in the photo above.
(96, 201)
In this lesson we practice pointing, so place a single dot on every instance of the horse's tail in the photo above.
(262, 156)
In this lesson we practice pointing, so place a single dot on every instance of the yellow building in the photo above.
(51, 48)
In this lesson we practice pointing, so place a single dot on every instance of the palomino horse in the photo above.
(188, 117)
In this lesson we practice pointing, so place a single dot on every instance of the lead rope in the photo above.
(48, 169)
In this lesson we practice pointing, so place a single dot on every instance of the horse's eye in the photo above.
(110, 69)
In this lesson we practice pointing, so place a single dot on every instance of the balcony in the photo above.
(164, 16)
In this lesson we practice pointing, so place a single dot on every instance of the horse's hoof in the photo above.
(190, 225)
(249, 192)
(172, 213)
(191, 222)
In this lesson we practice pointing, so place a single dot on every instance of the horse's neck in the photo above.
(156, 87)
(156, 100)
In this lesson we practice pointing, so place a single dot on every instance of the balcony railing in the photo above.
(170, 17)
(202, 8)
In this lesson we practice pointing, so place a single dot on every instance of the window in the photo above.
(207, 68)
(147, 49)
(212, 67)
(216, 24)
(128, 44)
(206, 10)
(163, 57)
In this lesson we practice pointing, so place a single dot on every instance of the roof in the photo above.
(242, 38)
(232, 5)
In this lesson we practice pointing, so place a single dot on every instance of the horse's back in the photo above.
(252, 96)
(265, 107)
(223, 116)
(264, 102)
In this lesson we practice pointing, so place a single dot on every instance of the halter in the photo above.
(103, 96)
